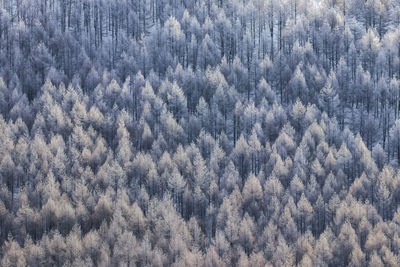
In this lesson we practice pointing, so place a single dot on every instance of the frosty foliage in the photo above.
(199, 133)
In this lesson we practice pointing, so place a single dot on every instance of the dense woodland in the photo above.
(199, 133)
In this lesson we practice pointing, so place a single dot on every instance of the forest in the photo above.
(199, 133)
